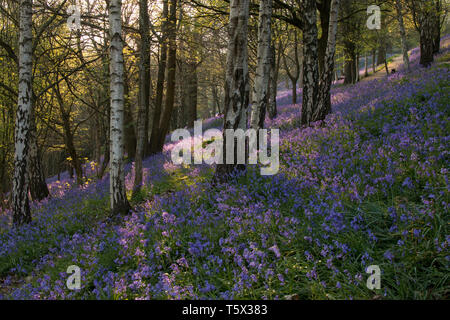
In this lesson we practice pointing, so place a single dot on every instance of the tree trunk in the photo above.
(154, 138)
(236, 83)
(144, 93)
(310, 62)
(296, 75)
(426, 20)
(38, 186)
(216, 99)
(130, 133)
(119, 201)
(374, 63)
(349, 64)
(324, 104)
(357, 68)
(381, 52)
(273, 89)
(20, 202)
(437, 28)
(366, 64)
(171, 65)
(398, 7)
(191, 97)
(324, 13)
(262, 77)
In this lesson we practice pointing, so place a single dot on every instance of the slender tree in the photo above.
(21, 206)
(38, 186)
(262, 78)
(237, 81)
(310, 61)
(324, 104)
(275, 58)
(144, 92)
(398, 8)
(294, 75)
(119, 201)
(154, 138)
(164, 124)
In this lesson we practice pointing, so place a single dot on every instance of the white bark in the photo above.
(21, 208)
(262, 78)
(119, 202)
(237, 95)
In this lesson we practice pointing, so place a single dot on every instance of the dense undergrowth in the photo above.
(367, 187)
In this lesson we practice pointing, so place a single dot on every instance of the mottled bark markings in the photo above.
(237, 82)
(262, 79)
(20, 201)
(324, 103)
(119, 201)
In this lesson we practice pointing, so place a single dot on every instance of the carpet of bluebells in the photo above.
(369, 186)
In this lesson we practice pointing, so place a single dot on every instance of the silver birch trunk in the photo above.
(398, 7)
(119, 201)
(20, 202)
(262, 78)
(237, 81)
(324, 104)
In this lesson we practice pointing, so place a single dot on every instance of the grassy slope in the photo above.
(368, 188)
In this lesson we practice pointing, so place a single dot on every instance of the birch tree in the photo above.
(324, 103)
(119, 201)
(237, 81)
(262, 78)
(20, 202)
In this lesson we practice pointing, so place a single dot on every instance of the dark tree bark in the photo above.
(190, 89)
(324, 8)
(144, 93)
(38, 186)
(374, 63)
(294, 75)
(437, 28)
(273, 83)
(171, 65)
(425, 15)
(154, 138)
(130, 133)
